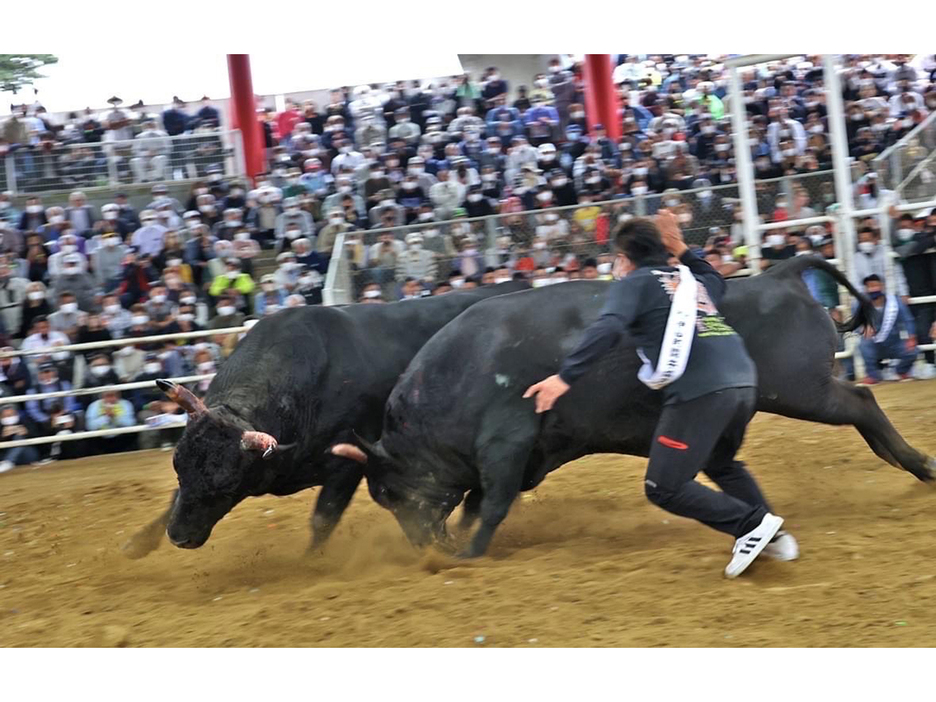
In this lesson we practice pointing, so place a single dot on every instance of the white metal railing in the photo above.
(77, 392)
(113, 164)
(125, 341)
(890, 164)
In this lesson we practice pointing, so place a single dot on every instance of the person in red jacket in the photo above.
(287, 120)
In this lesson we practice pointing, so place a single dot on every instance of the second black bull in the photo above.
(300, 381)
(456, 422)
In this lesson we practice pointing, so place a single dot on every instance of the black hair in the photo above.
(639, 240)
(519, 275)
(590, 263)
(873, 278)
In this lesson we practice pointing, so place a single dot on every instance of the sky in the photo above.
(82, 80)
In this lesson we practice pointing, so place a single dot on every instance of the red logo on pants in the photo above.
(672, 443)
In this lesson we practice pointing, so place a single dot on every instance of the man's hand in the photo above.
(547, 392)
(911, 344)
(670, 233)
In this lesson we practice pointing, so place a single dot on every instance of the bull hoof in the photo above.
(930, 470)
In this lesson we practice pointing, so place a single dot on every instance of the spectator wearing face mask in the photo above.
(111, 412)
(232, 222)
(55, 226)
(232, 280)
(75, 279)
(271, 298)
(148, 239)
(913, 239)
(135, 281)
(106, 260)
(34, 216)
(80, 215)
(871, 260)
(159, 307)
(68, 317)
(416, 261)
(67, 244)
(39, 410)
(292, 219)
(15, 378)
(100, 372)
(347, 157)
(151, 150)
(886, 340)
(446, 195)
(16, 425)
(115, 318)
(183, 322)
(776, 248)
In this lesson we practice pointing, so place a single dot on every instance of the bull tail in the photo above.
(863, 317)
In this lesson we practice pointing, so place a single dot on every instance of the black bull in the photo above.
(457, 422)
(307, 376)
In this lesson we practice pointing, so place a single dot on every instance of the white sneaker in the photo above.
(783, 547)
(5, 466)
(925, 371)
(749, 546)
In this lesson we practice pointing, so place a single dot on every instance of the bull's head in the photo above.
(218, 461)
(419, 508)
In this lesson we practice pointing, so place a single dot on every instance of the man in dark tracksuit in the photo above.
(706, 409)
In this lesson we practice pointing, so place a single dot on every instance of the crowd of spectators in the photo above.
(407, 173)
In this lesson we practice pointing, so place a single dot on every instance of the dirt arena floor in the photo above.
(582, 561)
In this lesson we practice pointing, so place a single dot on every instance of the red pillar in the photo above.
(601, 99)
(244, 112)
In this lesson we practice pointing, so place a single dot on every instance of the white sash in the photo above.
(677, 339)
(891, 308)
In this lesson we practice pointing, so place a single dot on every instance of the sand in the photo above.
(584, 560)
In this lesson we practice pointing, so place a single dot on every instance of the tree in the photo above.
(19, 70)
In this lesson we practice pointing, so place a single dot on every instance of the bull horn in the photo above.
(349, 451)
(258, 441)
(183, 397)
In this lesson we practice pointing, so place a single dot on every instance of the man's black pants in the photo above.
(704, 434)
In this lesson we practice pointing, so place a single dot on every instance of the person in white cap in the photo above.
(74, 278)
(148, 239)
(416, 262)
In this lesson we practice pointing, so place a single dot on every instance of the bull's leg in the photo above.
(337, 490)
(147, 539)
(501, 462)
(844, 403)
(471, 510)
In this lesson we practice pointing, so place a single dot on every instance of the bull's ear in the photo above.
(183, 397)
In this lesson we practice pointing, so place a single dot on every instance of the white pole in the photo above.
(745, 170)
(841, 161)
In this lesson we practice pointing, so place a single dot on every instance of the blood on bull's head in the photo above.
(218, 462)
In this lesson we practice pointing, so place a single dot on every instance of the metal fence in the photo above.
(54, 166)
(907, 167)
(554, 236)
(155, 423)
